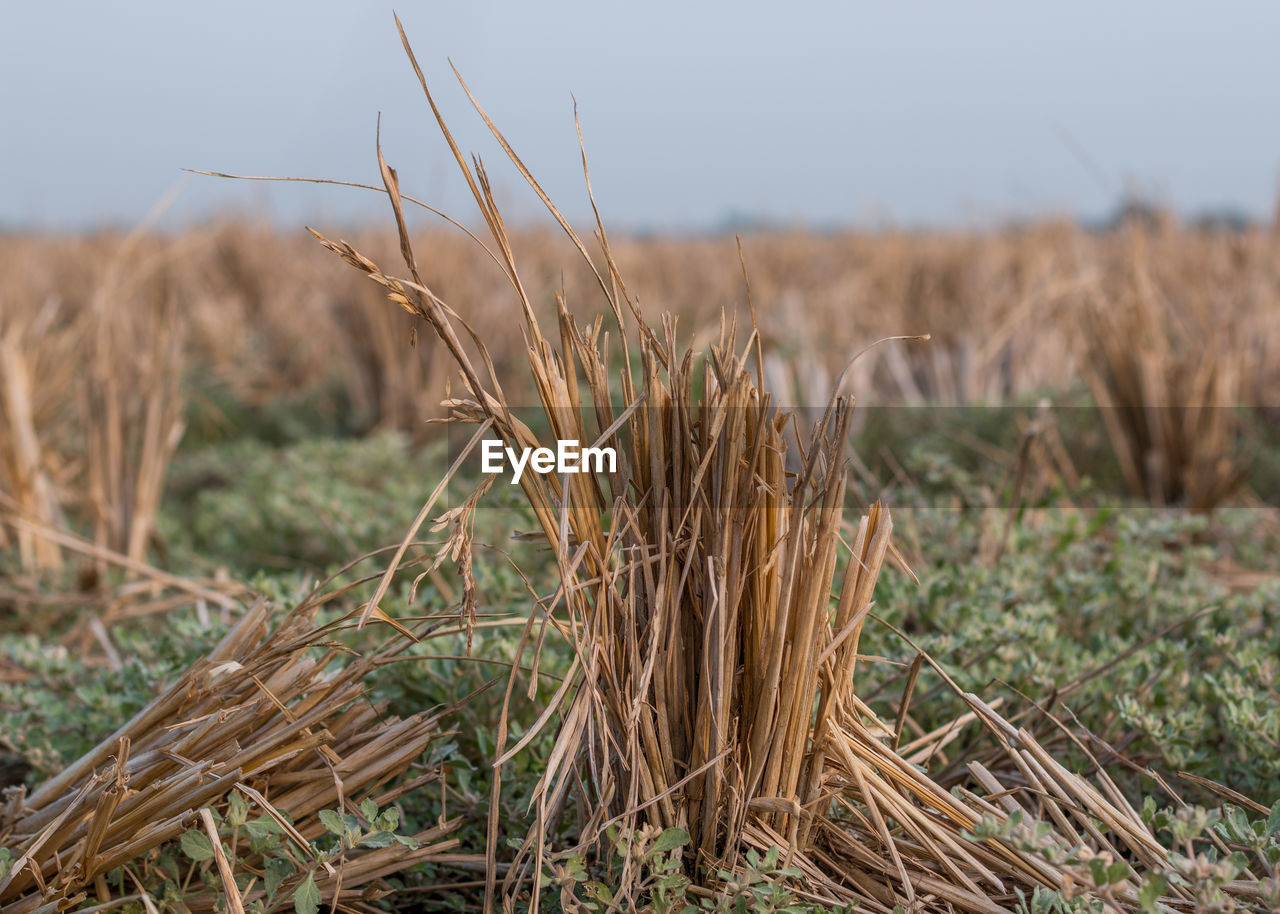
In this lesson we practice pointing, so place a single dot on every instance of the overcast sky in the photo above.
(955, 113)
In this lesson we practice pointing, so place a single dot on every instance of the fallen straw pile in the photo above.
(715, 633)
(250, 749)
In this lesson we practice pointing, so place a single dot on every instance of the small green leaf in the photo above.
(599, 892)
(306, 897)
(1237, 824)
(670, 840)
(277, 870)
(237, 809)
(262, 828)
(1273, 820)
(1117, 872)
(1152, 889)
(196, 845)
(165, 863)
(266, 825)
(369, 810)
(332, 822)
(377, 839)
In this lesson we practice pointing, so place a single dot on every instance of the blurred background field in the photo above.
(1156, 341)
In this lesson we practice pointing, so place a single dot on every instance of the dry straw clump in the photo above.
(713, 605)
(1171, 375)
(91, 405)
